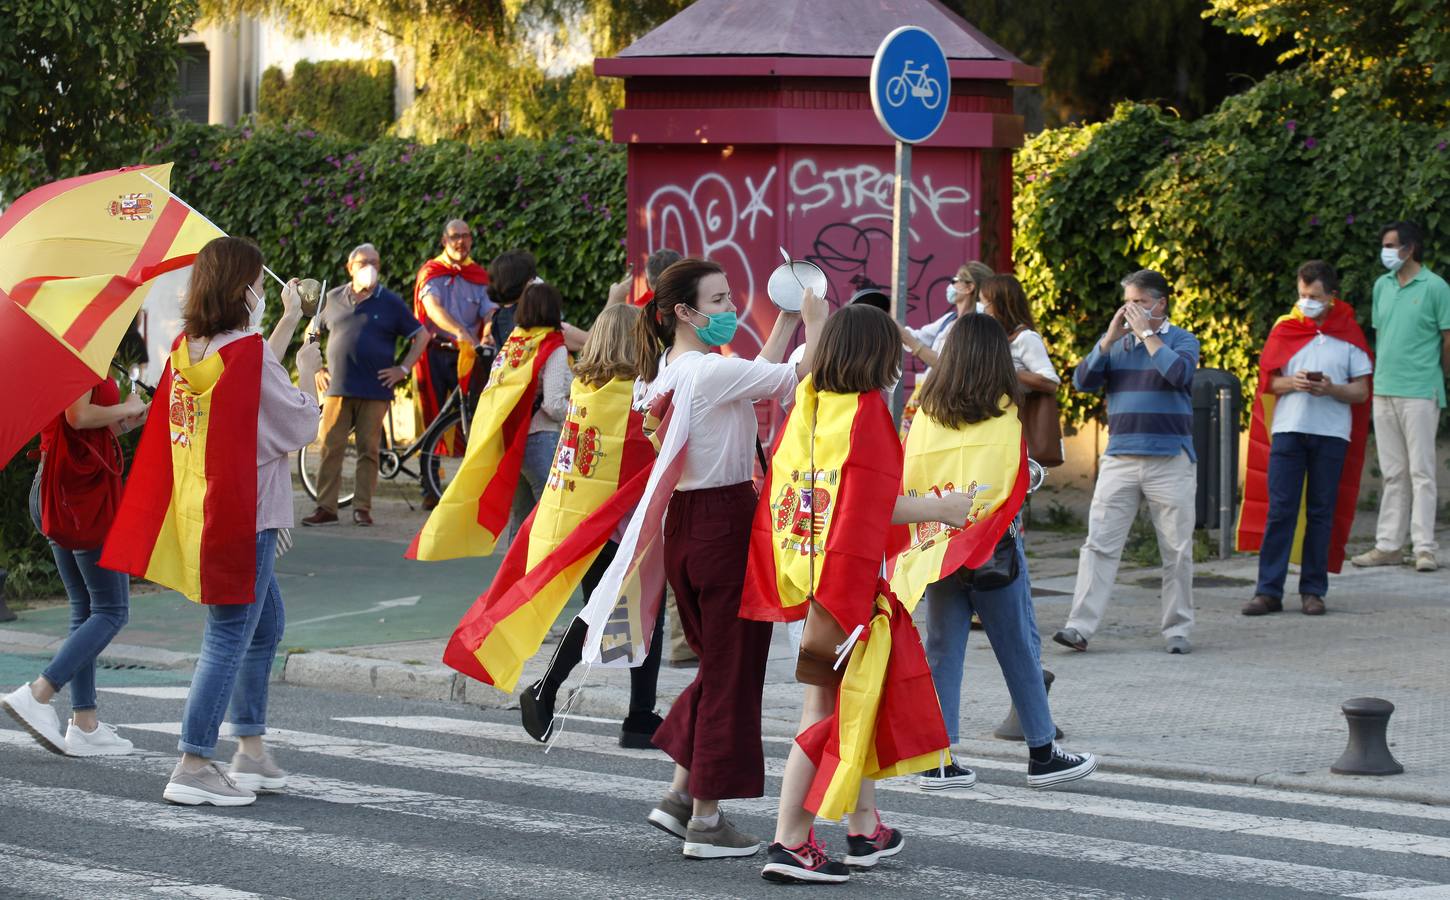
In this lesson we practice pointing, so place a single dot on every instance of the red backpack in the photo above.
(80, 478)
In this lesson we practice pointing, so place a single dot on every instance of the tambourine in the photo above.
(787, 285)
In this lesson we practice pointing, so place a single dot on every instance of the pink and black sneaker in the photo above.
(806, 864)
(866, 850)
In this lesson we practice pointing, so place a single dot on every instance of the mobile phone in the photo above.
(1314, 376)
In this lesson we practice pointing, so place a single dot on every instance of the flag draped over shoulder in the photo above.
(988, 462)
(188, 518)
(474, 508)
(1288, 336)
(621, 612)
(824, 515)
(887, 720)
(600, 469)
(77, 259)
(425, 396)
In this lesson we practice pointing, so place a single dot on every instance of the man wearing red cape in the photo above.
(1310, 424)
(450, 299)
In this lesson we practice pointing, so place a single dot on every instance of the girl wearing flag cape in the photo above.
(209, 490)
(708, 440)
(818, 548)
(968, 438)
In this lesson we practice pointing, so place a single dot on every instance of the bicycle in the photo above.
(434, 469)
(928, 90)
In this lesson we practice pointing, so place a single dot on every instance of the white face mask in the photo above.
(1311, 307)
(255, 311)
(366, 277)
(951, 293)
(1391, 258)
(981, 308)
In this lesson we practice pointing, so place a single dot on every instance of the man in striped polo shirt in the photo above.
(1146, 366)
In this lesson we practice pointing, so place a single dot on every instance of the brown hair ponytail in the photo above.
(655, 330)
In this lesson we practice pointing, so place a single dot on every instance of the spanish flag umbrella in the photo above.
(77, 259)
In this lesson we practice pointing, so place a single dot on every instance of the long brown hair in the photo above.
(973, 375)
(655, 330)
(216, 298)
(611, 350)
(540, 306)
(859, 351)
(1009, 302)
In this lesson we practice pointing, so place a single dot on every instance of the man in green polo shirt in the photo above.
(1411, 318)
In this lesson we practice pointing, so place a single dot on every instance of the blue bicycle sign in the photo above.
(910, 83)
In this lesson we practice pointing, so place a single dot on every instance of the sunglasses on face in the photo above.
(457, 237)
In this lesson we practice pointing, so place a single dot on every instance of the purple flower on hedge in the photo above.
(282, 241)
(405, 158)
(331, 218)
(1349, 219)
(1314, 220)
(350, 157)
(497, 158)
(348, 201)
(309, 133)
(571, 140)
(623, 242)
(1310, 143)
(456, 201)
(1440, 146)
(306, 199)
(216, 166)
(1291, 125)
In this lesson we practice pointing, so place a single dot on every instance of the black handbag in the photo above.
(1002, 568)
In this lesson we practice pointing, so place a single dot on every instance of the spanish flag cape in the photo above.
(824, 516)
(987, 461)
(188, 518)
(887, 720)
(1288, 336)
(425, 398)
(621, 612)
(474, 508)
(600, 468)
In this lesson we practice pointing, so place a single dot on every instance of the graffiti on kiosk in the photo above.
(866, 193)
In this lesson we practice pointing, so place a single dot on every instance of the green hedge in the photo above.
(308, 198)
(349, 98)
(1227, 207)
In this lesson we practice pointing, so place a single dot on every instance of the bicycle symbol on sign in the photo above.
(928, 90)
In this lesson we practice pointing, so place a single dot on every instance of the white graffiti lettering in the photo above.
(868, 192)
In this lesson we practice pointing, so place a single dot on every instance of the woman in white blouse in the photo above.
(713, 730)
(964, 294)
(1003, 299)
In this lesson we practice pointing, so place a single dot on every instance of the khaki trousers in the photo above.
(1169, 484)
(1404, 435)
(342, 416)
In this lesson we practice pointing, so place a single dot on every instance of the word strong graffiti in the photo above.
(865, 193)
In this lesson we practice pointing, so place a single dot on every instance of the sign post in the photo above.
(910, 86)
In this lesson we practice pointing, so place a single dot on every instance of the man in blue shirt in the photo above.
(1146, 366)
(363, 321)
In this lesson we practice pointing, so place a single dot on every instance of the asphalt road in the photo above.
(397, 798)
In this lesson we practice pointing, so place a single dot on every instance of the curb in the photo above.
(31, 644)
(340, 671)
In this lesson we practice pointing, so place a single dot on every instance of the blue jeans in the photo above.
(1011, 625)
(1307, 465)
(538, 460)
(237, 649)
(100, 603)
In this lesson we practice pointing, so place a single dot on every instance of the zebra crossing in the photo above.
(456, 803)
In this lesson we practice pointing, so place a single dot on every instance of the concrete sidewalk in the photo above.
(1256, 702)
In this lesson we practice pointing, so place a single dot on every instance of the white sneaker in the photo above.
(102, 742)
(255, 774)
(35, 717)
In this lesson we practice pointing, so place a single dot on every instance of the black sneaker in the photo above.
(944, 778)
(638, 731)
(866, 850)
(537, 711)
(1062, 767)
(806, 864)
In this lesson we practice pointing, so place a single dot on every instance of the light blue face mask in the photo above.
(720, 329)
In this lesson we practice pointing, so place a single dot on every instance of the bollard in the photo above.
(1011, 727)
(1367, 753)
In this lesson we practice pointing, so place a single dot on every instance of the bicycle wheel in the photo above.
(896, 91)
(931, 93)
(309, 468)
(437, 470)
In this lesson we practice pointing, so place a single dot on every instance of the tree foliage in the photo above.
(83, 83)
(483, 67)
(351, 98)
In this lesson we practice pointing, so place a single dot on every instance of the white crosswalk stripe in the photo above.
(66, 875)
(980, 835)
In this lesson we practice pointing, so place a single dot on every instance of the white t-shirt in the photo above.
(1029, 354)
(1340, 361)
(935, 334)
(723, 427)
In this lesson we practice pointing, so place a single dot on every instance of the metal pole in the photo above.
(1227, 471)
(900, 263)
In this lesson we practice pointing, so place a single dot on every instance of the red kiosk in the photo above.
(750, 127)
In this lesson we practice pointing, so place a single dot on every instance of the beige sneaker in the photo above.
(1377, 557)
(206, 785)
(719, 841)
(1425, 561)
(257, 774)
